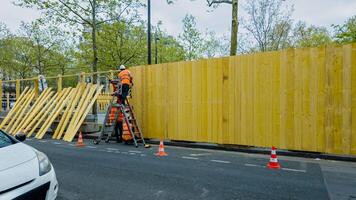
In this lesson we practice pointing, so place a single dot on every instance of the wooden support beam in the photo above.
(84, 113)
(10, 116)
(49, 111)
(1, 95)
(59, 83)
(32, 126)
(35, 109)
(19, 116)
(18, 89)
(56, 111)
(69, 112)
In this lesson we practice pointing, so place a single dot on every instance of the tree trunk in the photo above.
(234, 27)
(95, 53)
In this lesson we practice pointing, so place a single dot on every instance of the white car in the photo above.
(25, 173)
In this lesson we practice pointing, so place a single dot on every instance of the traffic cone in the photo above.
(273, 162)
(161, 150)
(80, 142)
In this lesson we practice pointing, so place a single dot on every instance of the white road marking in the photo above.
(132, 153)
(143, 155)
(29, 139)
(56, 143)
(190, 158)
(135, 151)
(109, 151)
(200, 154)
(124, 152)
(112, 149)
(285, 169)
(252, 165)
(221, 161)
(294, 170)
(91, 147)
(42, 141)
(71, 145)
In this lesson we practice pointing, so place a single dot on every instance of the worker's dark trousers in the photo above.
(118, 131)
(124, 92)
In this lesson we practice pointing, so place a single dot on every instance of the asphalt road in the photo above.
(117, 171)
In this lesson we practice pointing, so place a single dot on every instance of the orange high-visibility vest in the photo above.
(112, 115)
(125, 76)
(126, 136)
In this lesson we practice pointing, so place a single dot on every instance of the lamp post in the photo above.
(149, 61)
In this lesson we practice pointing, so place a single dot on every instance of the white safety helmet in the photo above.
(122, 67)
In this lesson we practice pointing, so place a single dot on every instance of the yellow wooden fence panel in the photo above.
(297, 99)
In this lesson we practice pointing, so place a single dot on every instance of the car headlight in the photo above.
(43, 163)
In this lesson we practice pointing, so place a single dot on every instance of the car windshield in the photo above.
(5, 140)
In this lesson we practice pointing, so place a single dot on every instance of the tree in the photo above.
(87, 14)
(234, 21)
(122, 43)
(191, 38)
(311, 36)
(44, 40)
(168, 48)
(269, 22)
(346, 33)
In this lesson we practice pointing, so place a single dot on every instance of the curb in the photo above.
(246, 149)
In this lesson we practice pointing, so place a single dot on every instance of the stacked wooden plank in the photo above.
(70, 107)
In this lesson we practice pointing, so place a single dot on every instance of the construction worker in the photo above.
(126, 83)
(118, 128)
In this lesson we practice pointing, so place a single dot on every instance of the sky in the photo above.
(315, 12)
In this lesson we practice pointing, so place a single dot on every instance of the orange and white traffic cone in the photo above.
(80, 142)
(161, 150)
(273, 161)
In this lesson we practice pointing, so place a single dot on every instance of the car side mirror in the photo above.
(20, 137)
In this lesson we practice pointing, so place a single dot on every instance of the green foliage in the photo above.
(311, 36)
(346, 33)
(191, 38)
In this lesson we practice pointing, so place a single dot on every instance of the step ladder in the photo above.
(132, 124)
(129, 118)
(108, 126)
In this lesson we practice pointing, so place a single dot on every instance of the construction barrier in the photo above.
(302, 99)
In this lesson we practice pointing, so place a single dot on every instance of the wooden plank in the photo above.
(1, 95)
(85, 113)
(68, 112)
(76, 116)
(347, 100)
(15, 108)
(329, 115)
(19, 115)
(31, 128)
(34, 109)
(56, 111)
(81, 108)
(353, 68)
(47, 112)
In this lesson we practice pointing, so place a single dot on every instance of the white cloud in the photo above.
(12, 15)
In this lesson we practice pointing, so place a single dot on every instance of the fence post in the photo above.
(59, 83)
(82, 77)
(1, 95)
(111, 76)
(8, 101)
(18, 89)
(36, 87)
